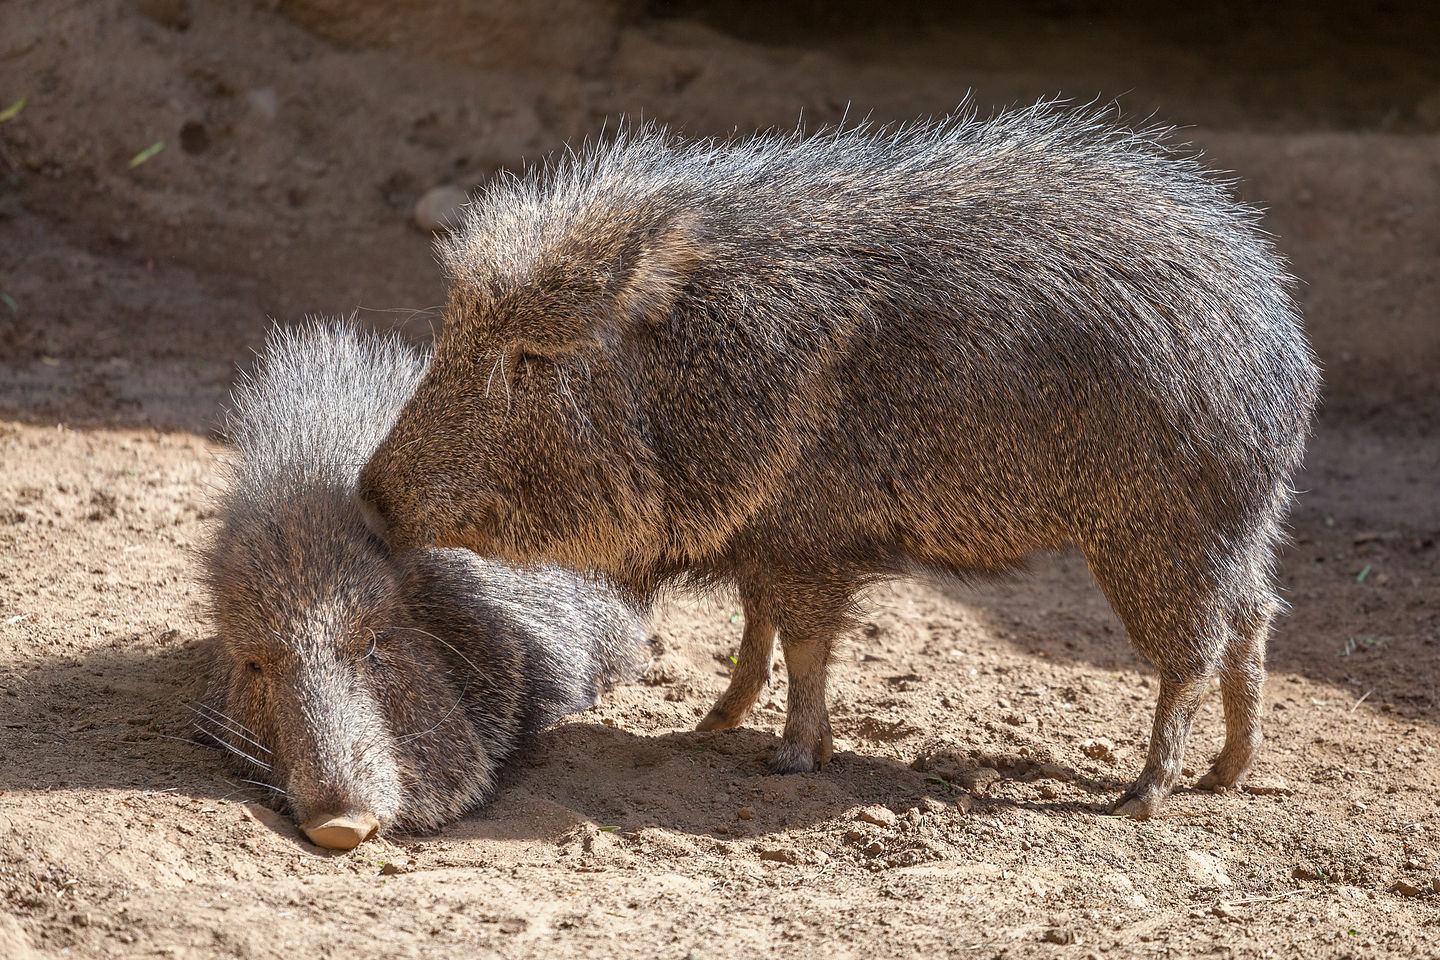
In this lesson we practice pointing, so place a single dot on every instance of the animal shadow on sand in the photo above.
(119, 718)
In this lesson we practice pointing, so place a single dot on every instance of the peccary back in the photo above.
(800, 364)
(372, 691)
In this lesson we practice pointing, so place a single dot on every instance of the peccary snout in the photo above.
(418, 516)
(345, 832)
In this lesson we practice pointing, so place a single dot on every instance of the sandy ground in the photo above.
(981, 730)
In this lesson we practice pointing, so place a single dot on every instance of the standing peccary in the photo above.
(798, 365)
(372, 691)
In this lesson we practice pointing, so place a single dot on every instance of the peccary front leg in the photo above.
(806, 744)
(751, 673)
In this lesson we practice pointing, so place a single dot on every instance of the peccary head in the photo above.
(370, 690)
(527, 438)
(328, 684)
(325, 689)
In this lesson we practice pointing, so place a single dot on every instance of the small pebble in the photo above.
(1269, 787)
(980, 778)
(1098, 749)
(1407, 889)
(880, 816)
(391, 869)
(746, 813)
(964, 802)
(598, 841)
(779, 855)
(440, 208)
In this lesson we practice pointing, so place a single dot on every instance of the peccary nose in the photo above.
(344, 832)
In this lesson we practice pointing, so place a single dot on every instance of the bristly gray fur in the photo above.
(319, 401)
(796, 364)
(353, 681)
(890, 200)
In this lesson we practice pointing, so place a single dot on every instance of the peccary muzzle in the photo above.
(801, 364)
(371, 691)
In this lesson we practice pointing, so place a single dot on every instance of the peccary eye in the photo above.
(253, 666)
(520, 363)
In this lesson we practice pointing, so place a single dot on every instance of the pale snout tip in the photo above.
(345, 832)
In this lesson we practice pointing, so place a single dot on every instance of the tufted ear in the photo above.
(659, 266)
(598, 279)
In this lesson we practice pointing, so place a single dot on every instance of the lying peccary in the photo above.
(371, 691)
(798, 365)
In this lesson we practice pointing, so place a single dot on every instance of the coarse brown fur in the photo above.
(353, 682)
(798, 364)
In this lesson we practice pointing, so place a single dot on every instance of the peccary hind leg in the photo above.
(1242, 679)
(1177, 624)
(1174, 712)
(751, 673)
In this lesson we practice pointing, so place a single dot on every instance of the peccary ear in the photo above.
(584, 290)
(659, 265)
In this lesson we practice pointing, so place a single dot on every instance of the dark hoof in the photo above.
(1138, 804)
(794, 758)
